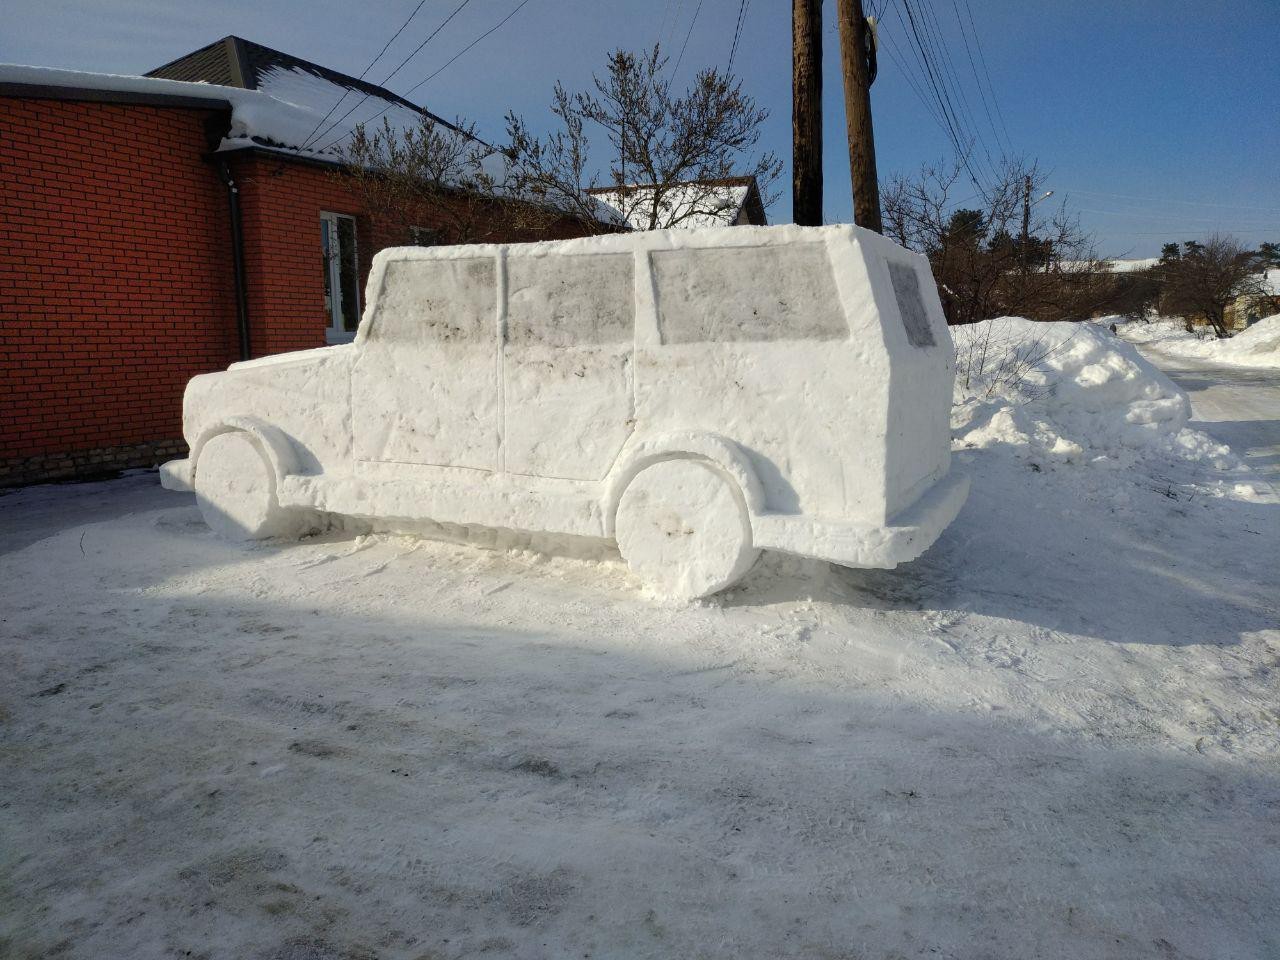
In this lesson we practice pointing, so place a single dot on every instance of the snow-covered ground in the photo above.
(1257, 346)
(1053, 736)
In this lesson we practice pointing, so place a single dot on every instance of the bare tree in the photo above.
(668, 150)
(1202, 279)
(437, 175)
(974, 242)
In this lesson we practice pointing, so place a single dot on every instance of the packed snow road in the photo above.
(1238, 405)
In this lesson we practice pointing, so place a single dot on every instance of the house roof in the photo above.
(236, 62)
(689, 204)
(277, 101)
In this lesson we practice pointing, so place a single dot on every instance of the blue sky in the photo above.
(1157, 119)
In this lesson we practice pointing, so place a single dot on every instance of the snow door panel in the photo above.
(424, 388)
(567, 364)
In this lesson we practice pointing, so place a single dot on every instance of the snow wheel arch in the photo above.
(236, 491)
(682, 526)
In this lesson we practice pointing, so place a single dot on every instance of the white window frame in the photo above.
(335, 331)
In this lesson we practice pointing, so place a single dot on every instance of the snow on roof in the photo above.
(1132, 266)
(686, 206)
(284, 113)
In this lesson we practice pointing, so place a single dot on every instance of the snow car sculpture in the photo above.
(695, 396)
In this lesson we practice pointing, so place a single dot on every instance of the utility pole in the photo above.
(806, 112)
(857, 63)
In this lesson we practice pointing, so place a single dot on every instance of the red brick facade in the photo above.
(115, 282)
(116, 274)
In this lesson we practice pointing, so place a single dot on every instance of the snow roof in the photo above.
(236, 62)
(276, 100)
(689, 205)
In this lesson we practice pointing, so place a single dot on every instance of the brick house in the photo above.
(155, 228)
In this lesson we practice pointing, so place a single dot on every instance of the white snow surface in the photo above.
(1255, 346)
(1053, 736)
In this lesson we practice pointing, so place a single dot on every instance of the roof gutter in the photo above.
(237, 258)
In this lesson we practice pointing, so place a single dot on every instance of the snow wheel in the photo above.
(683, 527)
(236, 491)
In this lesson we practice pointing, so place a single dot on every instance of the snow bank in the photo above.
(1067, 393)
(1257, 346)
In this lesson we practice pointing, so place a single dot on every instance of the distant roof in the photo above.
(690, 204)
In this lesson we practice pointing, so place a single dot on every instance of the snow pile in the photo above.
(1256, 346)
(1066, 393)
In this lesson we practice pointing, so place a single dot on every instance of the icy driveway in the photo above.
(1238, 405)
(1054, 736)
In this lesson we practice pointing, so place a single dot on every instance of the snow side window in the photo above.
(731, 294)
(437, 302)
(906, 290)
(341, 274)
(564, 301)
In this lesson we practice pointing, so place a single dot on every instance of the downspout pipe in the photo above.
(237, 258)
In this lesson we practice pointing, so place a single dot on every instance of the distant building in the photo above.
(733, 201)
(1247, 309)
(162, 226)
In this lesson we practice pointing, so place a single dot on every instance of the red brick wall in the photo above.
(115, 282)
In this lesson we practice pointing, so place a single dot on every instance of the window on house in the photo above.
(341, 274)
(423, 237)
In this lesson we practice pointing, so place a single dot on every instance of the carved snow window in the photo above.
(906, 290)
(570, 300)
(753, 294)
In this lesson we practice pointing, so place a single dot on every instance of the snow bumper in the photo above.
(908, 534)
(176, 475)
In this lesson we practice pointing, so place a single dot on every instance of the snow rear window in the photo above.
(906, 290)
(438, 301)
(727, 294)
(570, 300)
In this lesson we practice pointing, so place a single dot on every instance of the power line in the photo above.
(986, 72)
(431, 36)
(688, 33)
(942, 55)
(931, 80)
(437, 73)
(737, 32)
(468, 47)
(977, 82)
(363, 72)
